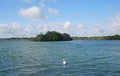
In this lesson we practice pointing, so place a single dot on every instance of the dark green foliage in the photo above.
(66, 37)
(39, 37)
(52, 36)
(114, 37)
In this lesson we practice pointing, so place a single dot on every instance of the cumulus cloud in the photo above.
(112, 28)
(67, 25)
(53, 11)
(115, 24)
(6, 31)
(17, 30)
(33, 13)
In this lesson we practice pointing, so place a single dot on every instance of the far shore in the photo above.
(114, 37)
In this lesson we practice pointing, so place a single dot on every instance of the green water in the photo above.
(83, 57)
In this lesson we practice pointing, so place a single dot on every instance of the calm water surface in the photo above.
(83, 57)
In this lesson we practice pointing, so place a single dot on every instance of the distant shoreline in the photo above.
(114, 37)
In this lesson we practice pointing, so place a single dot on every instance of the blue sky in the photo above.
(26, 18)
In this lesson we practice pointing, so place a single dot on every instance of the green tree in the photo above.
(39, 37)
(52, 36)
(66, 36)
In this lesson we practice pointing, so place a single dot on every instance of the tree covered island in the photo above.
(56, 36)
(52, 36)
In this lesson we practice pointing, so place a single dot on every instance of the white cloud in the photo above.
(33, 13)
(5, 30)
(14, 30)
(2, 29)
(115, 24)
(111, 29)
(17, 30)
(67, 25)
(15, 25)
(53, 11)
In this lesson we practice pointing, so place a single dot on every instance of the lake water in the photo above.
(83, 57)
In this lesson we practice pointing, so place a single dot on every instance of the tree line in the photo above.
(114, 37)
(56, 36)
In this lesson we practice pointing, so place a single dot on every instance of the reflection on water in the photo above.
(86, 58)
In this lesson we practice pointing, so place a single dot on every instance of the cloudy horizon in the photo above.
(27, 18)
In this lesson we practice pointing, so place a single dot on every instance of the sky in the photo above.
(28, 18)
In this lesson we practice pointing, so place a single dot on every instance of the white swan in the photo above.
(64, 62)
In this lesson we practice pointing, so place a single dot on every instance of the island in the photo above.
(52, 36)
(56, 36)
